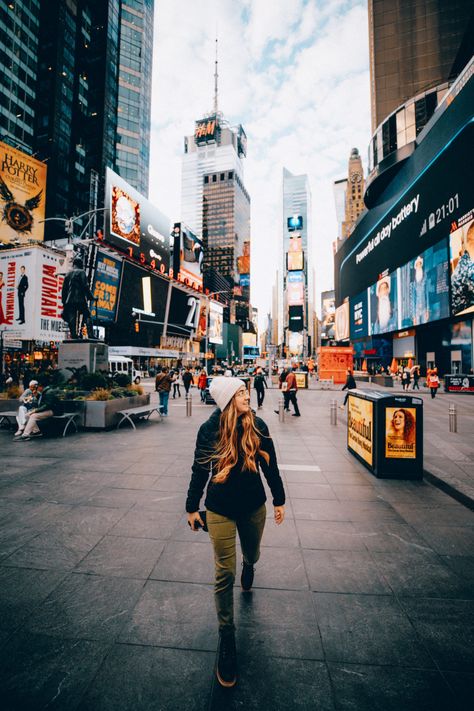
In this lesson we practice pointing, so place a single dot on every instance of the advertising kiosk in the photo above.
(385, 432)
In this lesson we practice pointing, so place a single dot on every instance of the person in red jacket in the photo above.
(432, 381)
(202, 384)
(292, 389)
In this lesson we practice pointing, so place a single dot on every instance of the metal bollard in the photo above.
(453, 418)
(189, 405)
(281, 410)
(333, 412)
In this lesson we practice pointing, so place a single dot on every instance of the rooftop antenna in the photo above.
(216, 77)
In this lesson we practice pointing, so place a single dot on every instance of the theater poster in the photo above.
(105, 288)
(360, 428)
(400, 433)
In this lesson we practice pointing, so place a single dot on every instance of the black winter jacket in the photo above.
(243, 492)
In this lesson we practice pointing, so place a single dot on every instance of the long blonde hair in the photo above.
(228, 446)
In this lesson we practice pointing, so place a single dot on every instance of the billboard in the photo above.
(383, 305)
(142, 290)
(295, 222)
(295, 276)
(134, 225)
(105, 287)
(295, 261)
(360, 428)
(184, 313)
(424, 288)
(461, 248)
(30, 295)
(342, 322)
(359, 316)
(205, 130)
(295, 318)
(295, 293)
(244, 280)
(295, 343)
(243, 262)
(187, 256)
(400, 433)
(328, 314)
(22, 196)
(216, 323)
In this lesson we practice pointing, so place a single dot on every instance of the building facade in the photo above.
(296, 273)
(354, 204)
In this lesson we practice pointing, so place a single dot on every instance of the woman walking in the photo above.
(202, 384)
(231, 447)
(432, 381)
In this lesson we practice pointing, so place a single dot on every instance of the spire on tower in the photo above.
(216, 77)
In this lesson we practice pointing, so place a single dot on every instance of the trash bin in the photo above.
(301, 379)
(385, 432)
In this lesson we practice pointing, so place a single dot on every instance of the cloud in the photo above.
(295, 74)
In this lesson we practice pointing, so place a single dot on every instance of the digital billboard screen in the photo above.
(295, 222)
(216, 323)
(461, 248)
(295, 261)
(295, 293)
(295, 276)
(359, 315)
(383, 305)
(295, 318)
(135, 226)
(187, 256)
(105, 287)
(424, 288)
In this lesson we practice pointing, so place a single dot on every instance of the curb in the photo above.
(449, 489)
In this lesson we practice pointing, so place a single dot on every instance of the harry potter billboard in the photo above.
(22, 196)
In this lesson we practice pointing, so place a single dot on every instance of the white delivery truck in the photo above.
(121, 364)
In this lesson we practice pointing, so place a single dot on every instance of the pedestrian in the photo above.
(28, 402)
(432, 380)
(350, 384)
(187, 379)
(48, 406)
(202, 384)
(177, 382)
(292, 389)
(260, 383)
(406, 379)
(232, 445)
(163, 386)
(283, 386)
(416, 378)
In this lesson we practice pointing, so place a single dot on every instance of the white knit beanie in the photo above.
(222, 389)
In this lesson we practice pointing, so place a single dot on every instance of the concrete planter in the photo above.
(102, 414)
(8, 405)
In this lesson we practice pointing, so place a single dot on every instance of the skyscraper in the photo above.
(78, 93)
(354, 200)
(296, 273)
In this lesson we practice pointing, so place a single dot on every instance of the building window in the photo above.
(231, 174)
(214, 178)
(206, 179)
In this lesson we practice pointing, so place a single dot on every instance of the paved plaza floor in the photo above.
(363, 599)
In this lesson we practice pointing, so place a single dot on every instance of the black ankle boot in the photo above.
(246, 579)
(227, 659)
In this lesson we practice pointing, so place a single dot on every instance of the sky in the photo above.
(295, 74)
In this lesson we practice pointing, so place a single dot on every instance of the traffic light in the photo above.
(135, 322)
(137, 326)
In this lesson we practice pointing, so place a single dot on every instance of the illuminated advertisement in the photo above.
(216, 323)
(295, 244)
(383, 305)
(242, 142)
(360, 428)
(295, 261)
(424, 288)
(461, 248)
(135, 226)
(295, 293)
(328, 315)
(244, 280)
(143, 290)
(184, 313)
(295, 318)
(295, 343)
(342, 322)
(30, 295)
(187, 256)
(295, 222)
(295, 276)
(243, 262)
(205, 130)
(400, 433)
(359, 316)
(22, 196)
(106, 287)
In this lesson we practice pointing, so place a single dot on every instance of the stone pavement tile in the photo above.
(129, 481)
(64, 493)
(303, 477)
(36, 515)
(146, 524)
(449, 540)
(310, 491)
(419, 573)
(355, 492)
(318, 510)
(277, 623)
(451, 514)
(169, 483)
(278, 568)
(182, 562)
(87, 607)
(463, 688)
(13, 538)
(299, 685)
(23, 461)
(150, 679)
(147, 466)
(157, 501)
(447, 629)
(463, 565)
(374, 511)
(375, 688)
(122, 557)
(329, 535)
(411, 492)
(172, 614)
(389, 536)
(350, 478)
(40, 672)
(283, 536)
(21, 591)
(113, 497)
(344, 572)
(368, 629)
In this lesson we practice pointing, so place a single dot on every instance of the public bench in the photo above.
(68, 418)
(138, 412)
(326, 384)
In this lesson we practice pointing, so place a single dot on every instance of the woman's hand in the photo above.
(194, 518)
(279, 512)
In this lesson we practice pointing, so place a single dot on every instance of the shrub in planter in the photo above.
(119, 392)
(13, 392)
(100, 394)
(93, 381)
(136, 389)
(121, 380)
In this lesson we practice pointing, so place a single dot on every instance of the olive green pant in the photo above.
(222, 531)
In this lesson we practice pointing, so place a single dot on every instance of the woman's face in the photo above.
(242, 400)
(398, 421)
